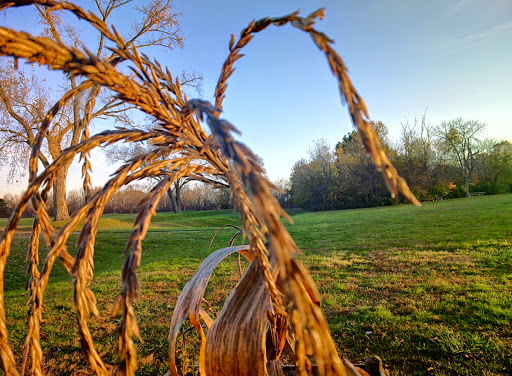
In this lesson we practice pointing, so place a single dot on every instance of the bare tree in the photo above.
(118, 153)
(416, 155)
(24, 100)
(23, 105)
(459, 137)
(283, 193)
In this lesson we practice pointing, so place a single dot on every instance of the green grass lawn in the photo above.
(428, 289)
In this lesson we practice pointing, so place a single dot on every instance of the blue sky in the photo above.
(450, 58)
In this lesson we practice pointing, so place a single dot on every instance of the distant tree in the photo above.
(77, 197)
(200, 196)
(175, 194)
(459, 137)
(359, 183)
(416, 157)
(493, 166)
(122, 153)
(4, 210)
(11, 200)
(313, 179)
(284, 194)
(126, 200)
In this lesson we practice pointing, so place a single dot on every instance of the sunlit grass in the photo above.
(428, 289)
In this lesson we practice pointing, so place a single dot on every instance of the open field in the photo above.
(428, 289)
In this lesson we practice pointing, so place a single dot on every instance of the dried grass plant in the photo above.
(275, 307)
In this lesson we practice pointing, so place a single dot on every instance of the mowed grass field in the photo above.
(428, 289)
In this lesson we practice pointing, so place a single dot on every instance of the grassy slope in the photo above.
(429, 289)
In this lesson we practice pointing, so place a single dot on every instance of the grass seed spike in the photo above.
(245, 337)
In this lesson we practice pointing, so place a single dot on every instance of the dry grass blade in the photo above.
(41, 221)
(239, 232)
(276, 304)
(86, 167)
(33, 262)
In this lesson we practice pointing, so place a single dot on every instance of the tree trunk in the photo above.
(467, 185)
(59, 195)
(174, 205)
(178, 197)
(466, 178)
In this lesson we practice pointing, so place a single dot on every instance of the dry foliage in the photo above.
(275, 307)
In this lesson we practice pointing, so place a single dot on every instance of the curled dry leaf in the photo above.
(189, 302)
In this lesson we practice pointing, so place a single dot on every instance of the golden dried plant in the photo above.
(275, 307)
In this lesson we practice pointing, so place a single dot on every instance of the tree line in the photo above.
(194, 196)
(448, 160)
(438, 162)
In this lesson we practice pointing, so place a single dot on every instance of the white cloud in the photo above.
(489, 32)
(461, 4)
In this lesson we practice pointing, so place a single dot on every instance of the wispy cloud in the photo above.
(455, 44)
(459, 5)
(494, 30)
